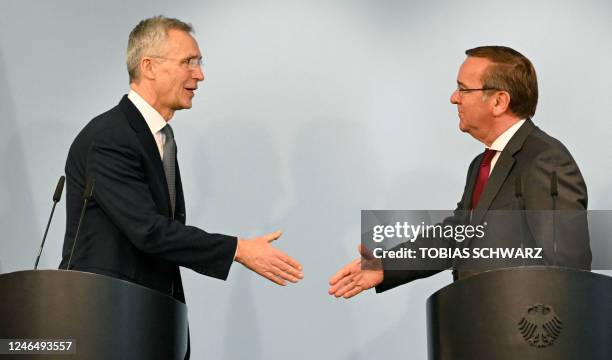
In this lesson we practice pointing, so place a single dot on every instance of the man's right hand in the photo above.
(359, 275)
(258, 255)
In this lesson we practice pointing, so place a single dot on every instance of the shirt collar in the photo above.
(502, 140)
(154, 120)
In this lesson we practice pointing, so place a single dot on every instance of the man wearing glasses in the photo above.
(496, 96)
(135, 224)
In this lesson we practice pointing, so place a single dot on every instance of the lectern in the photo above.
(522, 313)
(107, 318)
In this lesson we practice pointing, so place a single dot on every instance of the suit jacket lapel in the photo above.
(501, 170)
(138, 123)
(471, 182)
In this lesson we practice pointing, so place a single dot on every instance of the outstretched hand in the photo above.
(258, 255)
(359, 275)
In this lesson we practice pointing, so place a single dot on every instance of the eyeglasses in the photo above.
(462, 91)
(192, 63)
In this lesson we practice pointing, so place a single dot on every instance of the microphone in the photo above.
(56, 198)
(87, 195)
(518, 190)
(518, 194)
(554, 193)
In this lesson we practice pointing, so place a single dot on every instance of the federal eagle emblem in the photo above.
(540, 326)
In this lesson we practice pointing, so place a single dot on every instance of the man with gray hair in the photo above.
(135, 225)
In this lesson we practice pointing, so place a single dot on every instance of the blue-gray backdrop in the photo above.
(311, 111)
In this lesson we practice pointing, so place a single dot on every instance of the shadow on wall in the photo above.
(242, 321)
(238, 170)
(16, 205)
(600, 233)
(47, 160)
(398, 337)
(239, 176)
(334, 174)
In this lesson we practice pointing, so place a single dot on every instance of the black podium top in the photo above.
(522, 313)
(108, 318)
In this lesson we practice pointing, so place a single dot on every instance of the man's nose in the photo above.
(455, 98)
(198, 74)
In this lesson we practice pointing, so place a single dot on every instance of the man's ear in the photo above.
(148, 68)
(501, 103)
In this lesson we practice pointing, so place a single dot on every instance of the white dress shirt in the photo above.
(154, 120)
(502, 140)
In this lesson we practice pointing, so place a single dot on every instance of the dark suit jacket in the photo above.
(531, 155)
(129, 231)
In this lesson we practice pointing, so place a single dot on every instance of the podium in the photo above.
(107, 318)
(522, 313)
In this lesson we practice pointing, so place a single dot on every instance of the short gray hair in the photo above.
(146, 38)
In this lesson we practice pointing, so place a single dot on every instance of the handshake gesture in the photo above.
(258, 254)
(361, 274)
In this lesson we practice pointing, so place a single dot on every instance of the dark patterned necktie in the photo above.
(169, 162)
(483, 175)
